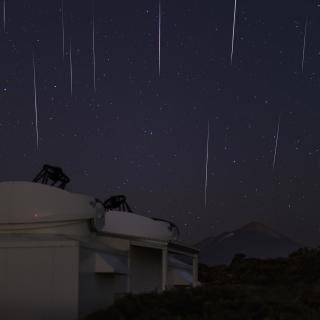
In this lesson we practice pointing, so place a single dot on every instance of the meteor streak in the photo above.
(62, 27)
(233, 29)
(70, 62)
(207, 161)
(159, 40)
(304, 44)
(276, 144)
(35, 100)
(4, 15)
(93, 55)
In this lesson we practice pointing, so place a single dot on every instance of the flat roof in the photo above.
(173, 245)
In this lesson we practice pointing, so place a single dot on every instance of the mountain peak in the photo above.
(256, 226)
(254, 239)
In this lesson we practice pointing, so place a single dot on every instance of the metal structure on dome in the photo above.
(113, 215)
(117, 203)
(53, 176)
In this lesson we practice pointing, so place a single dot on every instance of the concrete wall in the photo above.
(42, 277)
(180, 272)
(97, 290)
(146, 269)
(116, 243)
(39, 282)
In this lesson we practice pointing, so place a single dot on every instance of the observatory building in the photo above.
(64, 255)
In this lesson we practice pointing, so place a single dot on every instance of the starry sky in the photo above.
(144, 135)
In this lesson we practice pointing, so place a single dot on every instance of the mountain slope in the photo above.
(254, 240)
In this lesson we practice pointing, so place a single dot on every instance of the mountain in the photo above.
(255, 240)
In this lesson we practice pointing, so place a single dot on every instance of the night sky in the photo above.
(145, 135)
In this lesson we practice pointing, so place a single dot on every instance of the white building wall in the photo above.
(43, 277)
(116, 243)
(180, 273)
(97, 290)
(145, 269)
(39, 282)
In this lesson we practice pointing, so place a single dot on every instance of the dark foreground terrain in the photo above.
(286, 288)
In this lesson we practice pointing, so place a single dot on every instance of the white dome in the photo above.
(128, 223)
(28, 202)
